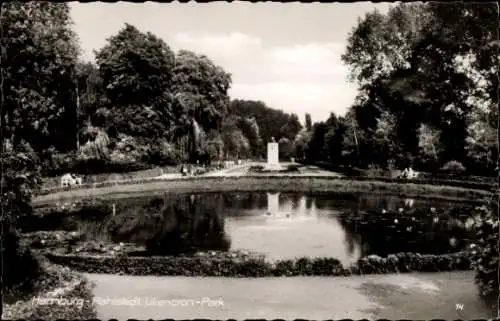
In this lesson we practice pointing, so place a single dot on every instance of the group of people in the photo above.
(69, 180)
(190, 170)
(409, 173)
(185, 170)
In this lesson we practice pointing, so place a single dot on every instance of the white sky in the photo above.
(287, 55)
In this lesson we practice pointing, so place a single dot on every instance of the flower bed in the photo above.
(50, 239)
(64, 242)
(259, 169)
(235, 264)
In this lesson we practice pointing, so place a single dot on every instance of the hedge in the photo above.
(70, 163)
(222, 264)
(354, 172)
(485, 253)
(110, 176)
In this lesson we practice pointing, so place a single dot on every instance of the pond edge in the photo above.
(222, 266)
(268, 184)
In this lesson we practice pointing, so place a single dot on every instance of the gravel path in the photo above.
(410, 296)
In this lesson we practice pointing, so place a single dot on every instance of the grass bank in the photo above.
(309, 184)
(69, 291)
(226, 264)
(55, 182)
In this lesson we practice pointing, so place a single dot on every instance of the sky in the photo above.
(284, 54)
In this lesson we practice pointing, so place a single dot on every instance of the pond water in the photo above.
(279, 225)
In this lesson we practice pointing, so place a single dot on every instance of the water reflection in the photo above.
(277, 224)
(290, 206)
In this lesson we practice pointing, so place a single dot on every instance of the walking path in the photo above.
(242, 170)
(237, 170)
(396, 296)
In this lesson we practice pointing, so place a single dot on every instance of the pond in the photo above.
(279, 225)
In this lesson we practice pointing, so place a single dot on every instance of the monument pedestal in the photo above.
(273, 163)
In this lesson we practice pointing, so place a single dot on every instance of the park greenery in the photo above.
(428, 98)
(428, 91)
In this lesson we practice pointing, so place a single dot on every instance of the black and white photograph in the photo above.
(249, 160)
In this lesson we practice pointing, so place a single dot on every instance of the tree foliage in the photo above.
(272, 123)
(39, 55)
(428, 85)
(201, 88)
(137, 73)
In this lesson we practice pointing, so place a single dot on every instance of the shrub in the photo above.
(374, 171)
(97, 143)
(55, 163)
(292, 169)
(98, 166)
(453, 167)
(163, 154)
(485, 254)
(19, 266)
(20, 179)
(237, 264)
(256, 169)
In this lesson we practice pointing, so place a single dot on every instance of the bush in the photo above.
(59, 164)
(256, 169)
(55, 163)
(238, 264)
(19, 266)
(453, 167)
(292, 169)
(20, 180)
(163, 154)
(374, 171)
(485, 254)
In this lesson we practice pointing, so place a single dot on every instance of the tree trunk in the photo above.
(77, 111)
(357, 145)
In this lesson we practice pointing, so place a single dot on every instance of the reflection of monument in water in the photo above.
(304, 208)
(273, 204)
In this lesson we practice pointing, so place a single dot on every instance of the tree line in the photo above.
(138, 104)
(428, 96)
(428, 78)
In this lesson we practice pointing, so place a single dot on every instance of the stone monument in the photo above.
(273, 155)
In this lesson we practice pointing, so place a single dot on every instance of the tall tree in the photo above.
(137, 70)
(290, 129)
(482, 142)
(250, 129)
(90, 92)
(429, 144)
(39, 55)
(316, 146)
(333, 138)
(385, 141)
(202, 87)
(235, 142)
(308, 122)
(301, 142)
(272, 122)
(286, 148)
(353, 141)
(409, 62)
